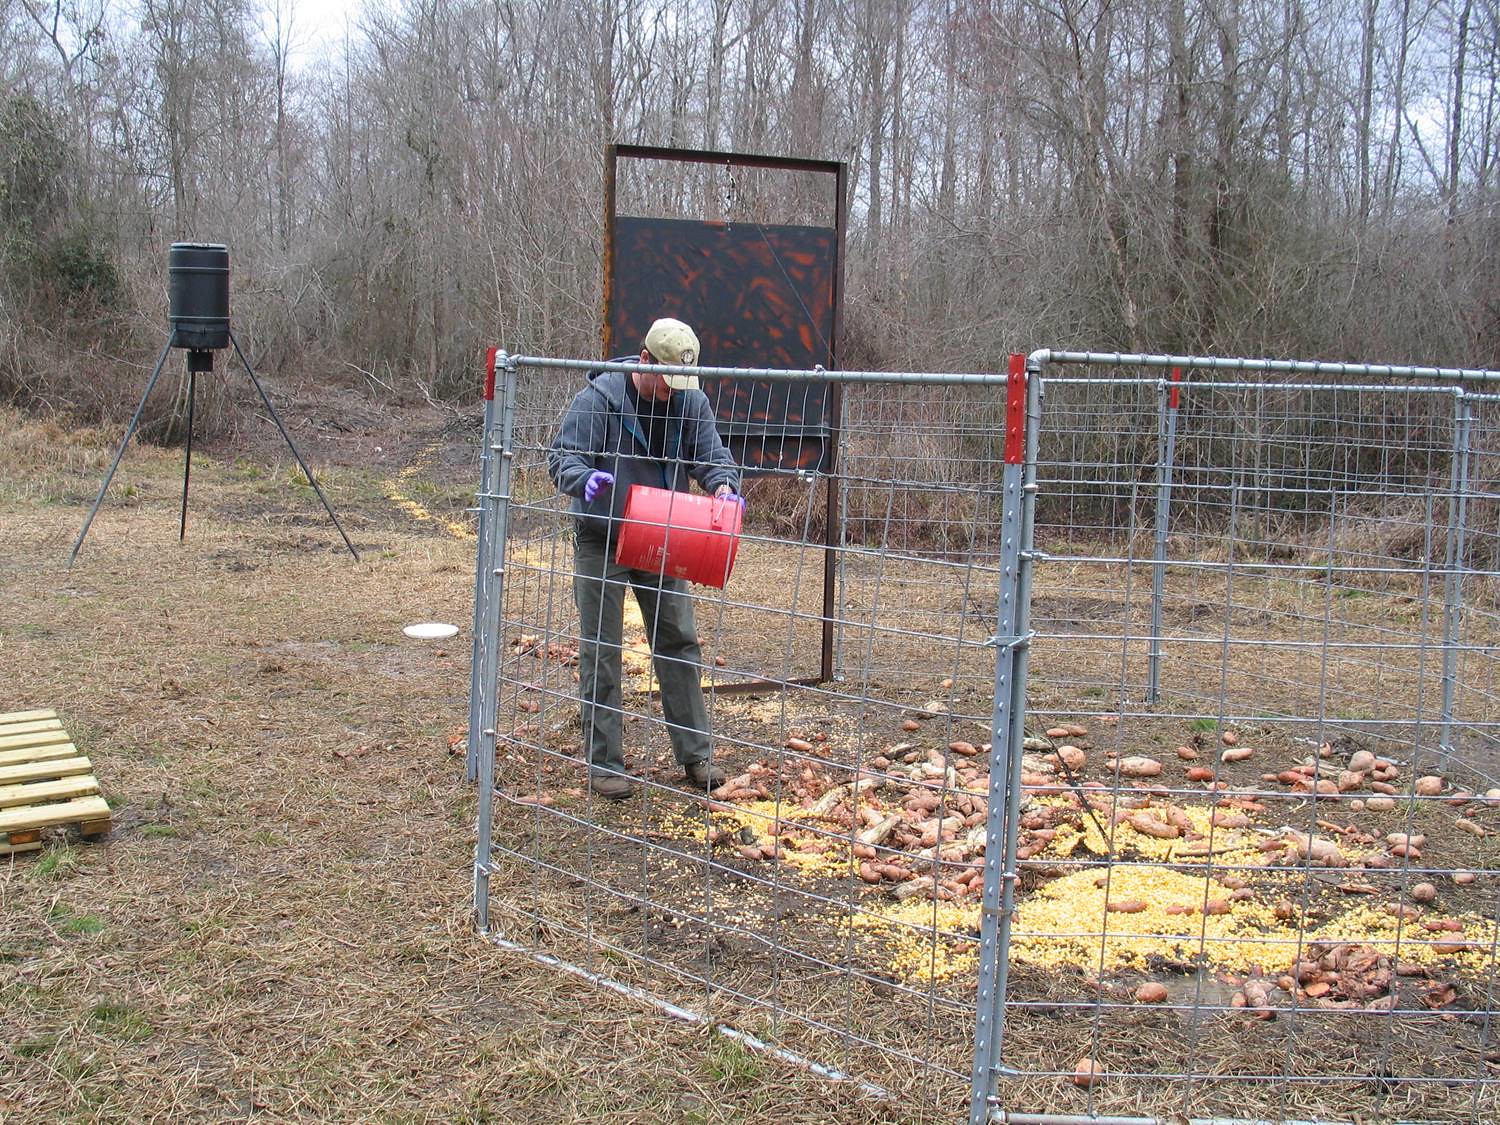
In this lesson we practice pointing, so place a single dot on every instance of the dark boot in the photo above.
(613, 788)
(704, 775)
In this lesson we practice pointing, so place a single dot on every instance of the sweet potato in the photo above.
(1086, 1073)
(1148, 825)
(1152, 992)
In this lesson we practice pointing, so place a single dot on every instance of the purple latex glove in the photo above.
(598, 482)
(726, 493)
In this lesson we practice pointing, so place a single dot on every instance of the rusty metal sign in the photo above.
(758, 296)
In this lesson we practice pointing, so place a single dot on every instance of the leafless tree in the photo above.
(1271, 176)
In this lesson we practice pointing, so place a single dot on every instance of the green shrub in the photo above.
(80, 269)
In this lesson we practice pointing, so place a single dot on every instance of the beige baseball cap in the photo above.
(675, 344)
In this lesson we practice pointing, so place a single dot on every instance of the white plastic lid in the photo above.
(431, 631)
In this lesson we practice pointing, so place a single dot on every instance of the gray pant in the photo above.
(599, 590)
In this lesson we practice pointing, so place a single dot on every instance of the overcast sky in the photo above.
(316, 24)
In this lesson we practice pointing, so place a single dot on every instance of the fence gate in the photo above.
(1155, 784)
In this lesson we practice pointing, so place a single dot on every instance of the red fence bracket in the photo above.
(1176, 395)
(489, 376)
(1015, 411)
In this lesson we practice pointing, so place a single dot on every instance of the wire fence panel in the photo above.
(1153, 782)
(817, 900)
(1255, 862)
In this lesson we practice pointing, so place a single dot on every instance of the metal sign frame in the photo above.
(834, 415)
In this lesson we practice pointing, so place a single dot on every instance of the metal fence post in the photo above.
(1454, 554)
(1166, 444)
(1007, 728)
(842, 575)
(481, 570)
(497, 499)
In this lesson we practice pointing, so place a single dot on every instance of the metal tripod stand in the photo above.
(195, 364)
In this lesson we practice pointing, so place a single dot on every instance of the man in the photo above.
(628, 428)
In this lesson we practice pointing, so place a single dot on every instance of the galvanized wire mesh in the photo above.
(1253, 848)
(752, 908)
(1238, 930)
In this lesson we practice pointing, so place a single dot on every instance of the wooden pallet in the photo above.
(44, 782)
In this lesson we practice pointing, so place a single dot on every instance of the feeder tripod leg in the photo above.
(119, 453)
(265, 398)
(187, 455)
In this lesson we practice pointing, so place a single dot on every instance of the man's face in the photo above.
(649, 384)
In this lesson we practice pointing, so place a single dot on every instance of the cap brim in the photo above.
(681, 382)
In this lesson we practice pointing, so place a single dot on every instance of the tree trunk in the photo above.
(1398, 114)
(1456, 111)
(1366, 104)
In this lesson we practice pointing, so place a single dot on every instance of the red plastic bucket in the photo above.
(679, 535)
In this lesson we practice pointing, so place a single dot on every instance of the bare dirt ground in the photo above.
(278, 926)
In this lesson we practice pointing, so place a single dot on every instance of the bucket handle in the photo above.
(716, 512)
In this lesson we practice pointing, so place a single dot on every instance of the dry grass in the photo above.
(279, 923)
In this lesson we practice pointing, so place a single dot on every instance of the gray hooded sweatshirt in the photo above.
(601, 432)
